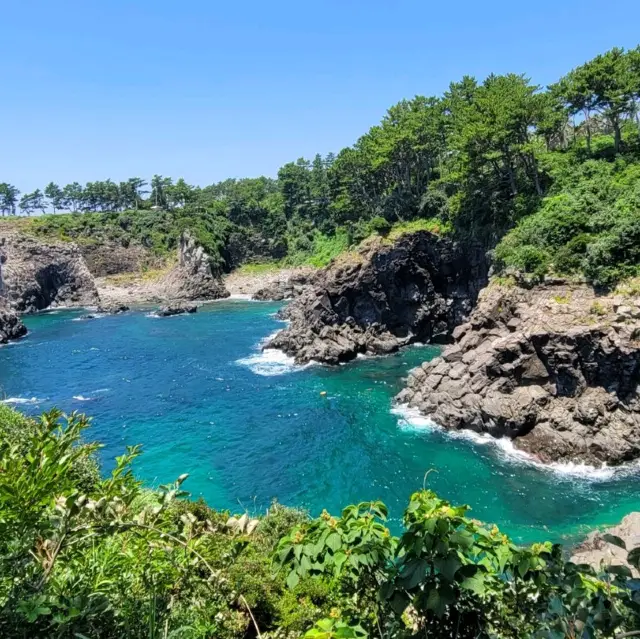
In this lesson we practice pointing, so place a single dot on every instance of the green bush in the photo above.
(113, 559)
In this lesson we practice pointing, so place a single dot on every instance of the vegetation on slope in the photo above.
(82, 556)
(480, 160)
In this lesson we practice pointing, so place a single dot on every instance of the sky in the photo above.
(207, 90)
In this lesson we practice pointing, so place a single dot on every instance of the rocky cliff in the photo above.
(383, 297)
(10, 325)
(555, 368)
(39, 274)
(192, 278)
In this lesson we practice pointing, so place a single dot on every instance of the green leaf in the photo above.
(293, 580)
(399, 602)
(615, 540)
(413, 573)
(523, 566)
(475, 584)
(620, 571)
(333, 541)
(435, 603)
(447, 567)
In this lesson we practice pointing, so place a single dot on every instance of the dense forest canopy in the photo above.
(482, 159)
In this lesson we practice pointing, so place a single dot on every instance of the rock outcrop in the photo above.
(11, 327)
(39, 274)
(383, 297)
(287, 287)
(176, 309)
(596, 551)
(555, 368)
(112, 258)
(192, 278)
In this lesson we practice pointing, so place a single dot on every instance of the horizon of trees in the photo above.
(472, 155)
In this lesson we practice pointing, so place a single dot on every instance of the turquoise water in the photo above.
(198, 395)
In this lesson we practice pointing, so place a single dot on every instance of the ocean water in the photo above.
(199, 395)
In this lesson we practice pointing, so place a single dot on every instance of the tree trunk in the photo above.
(587, 121)
(617, 137)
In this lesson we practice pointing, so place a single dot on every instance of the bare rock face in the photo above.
(193, 278)
(595, 550)
(555, 368)
(111, 258)
(382, 298)
(39, 275)
(287, 288)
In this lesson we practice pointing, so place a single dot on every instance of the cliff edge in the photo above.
(555, 368)
(382, 297)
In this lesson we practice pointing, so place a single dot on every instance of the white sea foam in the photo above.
(411, 419)
(82, 398)
(269, 362)
(21, 400)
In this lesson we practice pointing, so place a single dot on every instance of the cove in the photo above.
(248, 427)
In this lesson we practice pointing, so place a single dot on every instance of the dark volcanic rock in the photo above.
(11, 327)
(114, 309)
(176, 309)
(382, 298)
(39, 274)
(553, 368)
(193, 278)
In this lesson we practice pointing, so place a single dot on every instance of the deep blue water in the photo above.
(198, 395)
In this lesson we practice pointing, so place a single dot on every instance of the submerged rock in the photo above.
(176, 309)
(553, 368)
(383, 297)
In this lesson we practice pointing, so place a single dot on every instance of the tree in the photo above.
(8, 198)
(55, 196)
(609, 85)
(31, 202)
(73, 196)
(159, 187)
(179, 194)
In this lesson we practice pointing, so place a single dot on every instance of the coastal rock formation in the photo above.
(287, 286)
(10, 325)
(113, 309)
(595, 550)
(176, 309)
(555, 368)
(111, 258)
(192, 278)
(383, 297)
(39, 274)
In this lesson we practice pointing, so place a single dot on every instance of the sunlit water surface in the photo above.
(248, 427)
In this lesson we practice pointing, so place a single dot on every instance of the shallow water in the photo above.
(248, 427)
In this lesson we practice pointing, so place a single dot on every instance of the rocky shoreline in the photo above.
(556, 369)
(383, 297)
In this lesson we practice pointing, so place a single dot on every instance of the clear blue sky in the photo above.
(205, 90)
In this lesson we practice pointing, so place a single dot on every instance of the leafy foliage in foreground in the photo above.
(83, 556)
